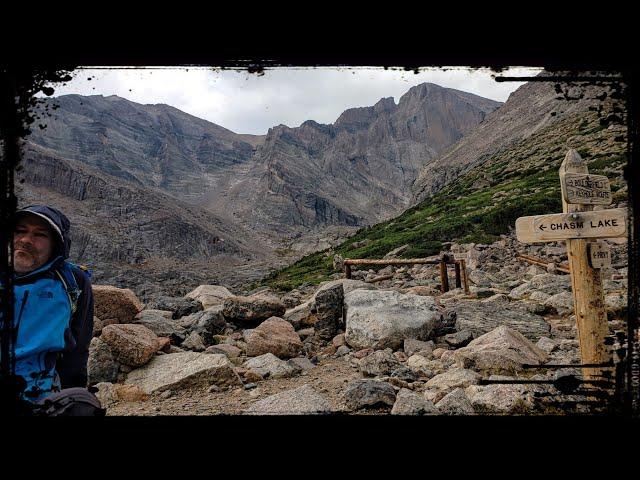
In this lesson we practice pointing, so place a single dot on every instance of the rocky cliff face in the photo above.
(120, 228)
(358, 170)
(154, 146)
(528, 110)
(149, 184)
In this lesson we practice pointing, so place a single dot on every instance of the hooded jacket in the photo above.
(53, 316)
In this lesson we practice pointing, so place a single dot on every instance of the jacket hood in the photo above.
(58, 222)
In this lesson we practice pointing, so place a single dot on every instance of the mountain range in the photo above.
(158, 195)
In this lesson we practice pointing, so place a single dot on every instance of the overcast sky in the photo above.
(248, 103)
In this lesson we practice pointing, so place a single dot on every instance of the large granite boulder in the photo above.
(131, 344)
(270, 366)
(180, 306)
(252, 310)
(115, 305)
(208, 323)
(384, 319)
(411, 403)
(162, 326)
(101, 365)
(184, 370)
(478, 318)
(368, 394)
(276, 336)
(210, 295)
(501, 350)
(329, 306)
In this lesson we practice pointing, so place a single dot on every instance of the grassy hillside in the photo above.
(482, 204)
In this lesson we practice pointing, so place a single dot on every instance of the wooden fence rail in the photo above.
(460, 268)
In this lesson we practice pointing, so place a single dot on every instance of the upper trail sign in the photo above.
(585, 189)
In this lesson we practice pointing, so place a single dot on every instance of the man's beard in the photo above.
(26, 258)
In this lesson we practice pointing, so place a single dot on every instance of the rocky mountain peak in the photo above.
(385, 105)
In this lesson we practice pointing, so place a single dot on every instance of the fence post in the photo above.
(444, 278)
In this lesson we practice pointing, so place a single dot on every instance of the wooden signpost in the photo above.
(579, 225)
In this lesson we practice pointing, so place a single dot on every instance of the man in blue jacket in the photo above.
(53, 312)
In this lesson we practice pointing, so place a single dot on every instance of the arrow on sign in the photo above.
(543, 227)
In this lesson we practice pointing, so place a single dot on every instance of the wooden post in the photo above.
(588, 294)
(465, 279)
(347, 270)
(444, 278)
(457, 267)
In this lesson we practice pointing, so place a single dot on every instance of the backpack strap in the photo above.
(68, 279)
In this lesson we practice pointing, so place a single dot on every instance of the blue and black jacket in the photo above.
(53, 317)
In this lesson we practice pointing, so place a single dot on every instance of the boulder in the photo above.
(480, 318)
(455, 402)
(547, 345)
(97, 327)
(300, 316)
(270, 366)
(413, 346)
(521, 291)
(194, 342)
(500, 398)
(502, 349)
(131, 344)
(209, 295)
(302, 363)
(230, 351)
(449, 381)
(252, 310)
(384, 319)
(328, 306)
(115, 305)
(381, 362)
(303, 400)
(551, 284)
(275, 336)
(101, 365)
(162, 326)
(562, 302)
(418, 363)
(481, 279)
(616, 303)
(348, 285)
(410, 403)
(338, 341)
(180, 306)
(168, 314)
(208, 323)
(368, 394)
(184, 370)
(459, 339)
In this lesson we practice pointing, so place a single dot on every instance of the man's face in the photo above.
(32, 244)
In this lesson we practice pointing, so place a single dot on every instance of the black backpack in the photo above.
(70, 402)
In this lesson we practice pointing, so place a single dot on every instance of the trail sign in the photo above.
(563, 226)
(460, 255)
(585, 189)
(599, 255)
(578, 225)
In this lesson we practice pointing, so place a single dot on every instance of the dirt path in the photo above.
(328, 378)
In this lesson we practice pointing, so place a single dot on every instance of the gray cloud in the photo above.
(248, 103)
